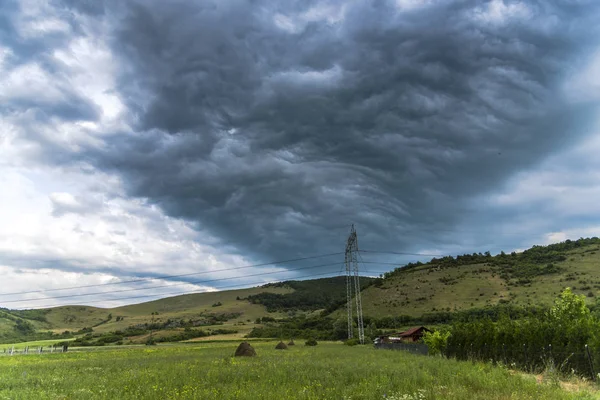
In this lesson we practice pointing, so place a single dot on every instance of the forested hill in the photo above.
(530, 278)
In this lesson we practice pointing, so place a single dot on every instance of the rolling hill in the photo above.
(236, 310)
(442, 286)
(531, 278)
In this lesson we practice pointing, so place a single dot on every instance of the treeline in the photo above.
(23, 330)
(188, 334)
(493, 312)
(319, 328)
(119, 337)
(35, 315)
(556, 338)
(538, 260)
(317, 294)
(17, 337)
(326, 328)
(205, 320)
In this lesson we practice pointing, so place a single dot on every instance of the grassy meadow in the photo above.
(208, 371)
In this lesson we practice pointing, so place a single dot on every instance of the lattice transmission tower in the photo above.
(353, 286)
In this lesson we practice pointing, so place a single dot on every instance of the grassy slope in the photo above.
(417, 291)
(207, 371)
(179, 307)
(193, 306)
(7, 322)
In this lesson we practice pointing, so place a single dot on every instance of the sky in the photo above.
(143, 139)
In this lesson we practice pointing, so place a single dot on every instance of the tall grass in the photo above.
(208, 371)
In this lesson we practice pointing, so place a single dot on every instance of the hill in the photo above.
(433, 292)
(231, 310)
(475, 281)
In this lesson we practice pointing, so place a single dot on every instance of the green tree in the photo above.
(436, 341)
(569, 309)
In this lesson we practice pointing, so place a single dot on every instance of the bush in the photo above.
(436, 341)
(351, 342)
(310, 342)
(151, 342)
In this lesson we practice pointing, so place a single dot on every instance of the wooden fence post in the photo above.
(587, 349)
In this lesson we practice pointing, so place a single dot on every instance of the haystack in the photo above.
(245, 350)
(291, 343)
(281, 346)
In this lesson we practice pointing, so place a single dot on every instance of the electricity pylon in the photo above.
(353, 286)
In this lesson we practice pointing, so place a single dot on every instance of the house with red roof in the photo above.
(413, 335)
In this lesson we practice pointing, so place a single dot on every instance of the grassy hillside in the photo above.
(196, 307)
(534, 277)
(232, 310)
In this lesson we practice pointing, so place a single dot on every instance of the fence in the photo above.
(11, 351)
(416, 348)
(580, 361)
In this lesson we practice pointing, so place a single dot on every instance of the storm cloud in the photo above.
(268, 124)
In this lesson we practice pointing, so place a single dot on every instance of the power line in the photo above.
(173, 276)
(186, 293)
(402, 254)
(191, 283)
(179, 284)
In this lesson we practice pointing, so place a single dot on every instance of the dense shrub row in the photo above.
(557, 337)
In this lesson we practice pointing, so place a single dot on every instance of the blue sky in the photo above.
(150, 138)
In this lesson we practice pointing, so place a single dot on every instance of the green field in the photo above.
(208, 371)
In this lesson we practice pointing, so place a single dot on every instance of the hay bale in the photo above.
(245, 350)
(281, 346)
(291, 343)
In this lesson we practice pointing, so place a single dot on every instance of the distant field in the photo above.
(22, 345)
(208, 371)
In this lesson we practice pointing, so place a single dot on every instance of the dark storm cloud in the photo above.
(268, 137)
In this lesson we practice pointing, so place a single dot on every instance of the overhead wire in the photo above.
(179, 284)
(244, 285)
(146, 279)
(173, 276)
(402, 253)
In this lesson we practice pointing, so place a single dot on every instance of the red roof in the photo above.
(412, 331)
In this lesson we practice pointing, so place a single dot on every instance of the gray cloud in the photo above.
(269, 138)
